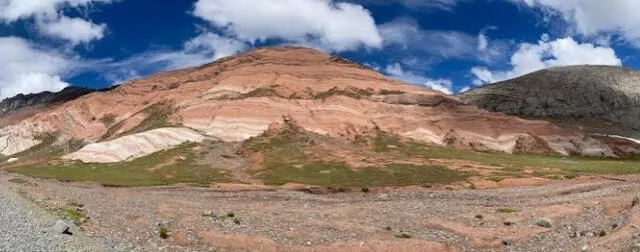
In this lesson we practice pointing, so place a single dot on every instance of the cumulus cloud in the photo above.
(396, 71)
(74, 30)
(202, 49)
(560, 52)
(28, 69)
(338, 26)
(50, 19)
(595, 18)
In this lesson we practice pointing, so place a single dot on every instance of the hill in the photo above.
(597, 99)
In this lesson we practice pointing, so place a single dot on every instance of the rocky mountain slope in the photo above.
(600, 99)
(239, 97)
(40, 100)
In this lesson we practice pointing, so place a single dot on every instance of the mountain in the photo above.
(597, 99)
(239, 98)
(40, 100)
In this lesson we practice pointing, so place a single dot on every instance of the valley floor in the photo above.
(593, 213)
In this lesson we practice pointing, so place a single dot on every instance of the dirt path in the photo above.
(596, 214)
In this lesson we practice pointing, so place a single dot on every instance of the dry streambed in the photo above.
(594, 215)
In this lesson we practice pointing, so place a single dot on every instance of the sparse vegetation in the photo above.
(402, 235)
(163, 232)
(18, 181)
(383, 141)
(73, 214)
(496, 179)
(353, 93)
(285, 161)
(506, 210)
(157, 116)
(390, 92)
(260, 92)
(108, 120)
(49, 147)
(144, 171)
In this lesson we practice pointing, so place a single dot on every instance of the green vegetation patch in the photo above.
(178, 165)
(353, 93)
(568, 167)
(157, 116)
(390, 92)
(285, 161)
(108, 120)
(506, 210)
(261, 92)
(342, 175)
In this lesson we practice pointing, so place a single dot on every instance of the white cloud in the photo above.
(396, 71)
(593, 18)
(424, 5)
(74, 30)
(407, 34)
(464, 89)
(483, 40)
(28, 69)
(202, 49)
(51, 21)
(337, 26)
(560, 52)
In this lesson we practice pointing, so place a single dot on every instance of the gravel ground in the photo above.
(25, 226)
(594, 215)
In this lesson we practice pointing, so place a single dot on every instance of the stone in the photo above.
(585, 248)
(507, 241)
(635, 247)
(62, 227)
(544, 222)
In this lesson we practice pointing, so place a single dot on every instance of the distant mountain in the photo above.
(598, 99)
(39, 100)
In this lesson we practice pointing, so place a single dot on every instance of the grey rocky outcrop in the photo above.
(606, 94)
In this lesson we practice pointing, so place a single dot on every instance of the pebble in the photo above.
(544, 222)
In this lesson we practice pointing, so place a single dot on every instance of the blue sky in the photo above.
(449, 45)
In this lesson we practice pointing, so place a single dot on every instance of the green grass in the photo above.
(285, 161)
(134, 173)
(569, 166)
(342, 175)
(383, 140)
(506, 210)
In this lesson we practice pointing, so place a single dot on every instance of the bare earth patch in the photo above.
(240, 217)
